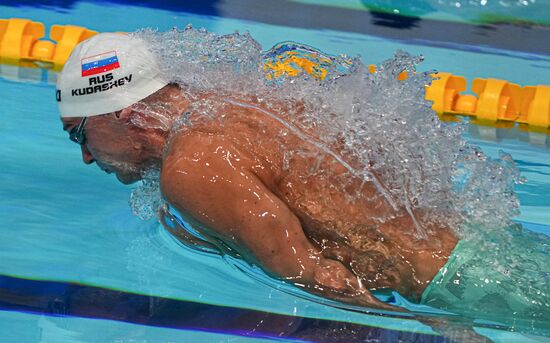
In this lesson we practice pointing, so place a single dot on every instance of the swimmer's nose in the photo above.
(86, 155)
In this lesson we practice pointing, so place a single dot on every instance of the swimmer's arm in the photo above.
(212, 183)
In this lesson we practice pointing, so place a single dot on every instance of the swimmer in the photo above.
(227, 174)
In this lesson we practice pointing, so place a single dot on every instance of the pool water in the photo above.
(483, 11)
(66, 223)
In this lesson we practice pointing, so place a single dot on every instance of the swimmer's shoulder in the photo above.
(197, 148)
(181, 166)
(187, 147)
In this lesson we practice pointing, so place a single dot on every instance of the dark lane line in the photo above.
(76, 300)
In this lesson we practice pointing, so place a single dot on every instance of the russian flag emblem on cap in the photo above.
(101, 63)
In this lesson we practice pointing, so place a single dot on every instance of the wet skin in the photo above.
(229, 175)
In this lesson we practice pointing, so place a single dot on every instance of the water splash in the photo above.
(421, 164)
(146, 199)
(203, 60)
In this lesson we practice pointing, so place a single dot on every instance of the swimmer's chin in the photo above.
(127, 179)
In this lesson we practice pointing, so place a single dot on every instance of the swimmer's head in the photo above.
(116, 104)
(106, 73)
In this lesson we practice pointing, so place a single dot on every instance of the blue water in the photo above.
(457, 10)
(64, 221)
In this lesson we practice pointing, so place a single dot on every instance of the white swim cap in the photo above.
(106, 73)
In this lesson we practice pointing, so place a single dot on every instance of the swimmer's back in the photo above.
(339, 212)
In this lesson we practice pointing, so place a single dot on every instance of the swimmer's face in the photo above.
(110, 144)
(130, 141)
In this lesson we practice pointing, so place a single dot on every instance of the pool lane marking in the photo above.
(74, 300)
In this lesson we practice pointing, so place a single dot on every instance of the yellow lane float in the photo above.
(496, 100)
(20, 40)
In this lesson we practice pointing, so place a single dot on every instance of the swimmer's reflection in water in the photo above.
(228, 173)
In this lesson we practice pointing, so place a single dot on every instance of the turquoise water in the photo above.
(480, 11)
(65, 221)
